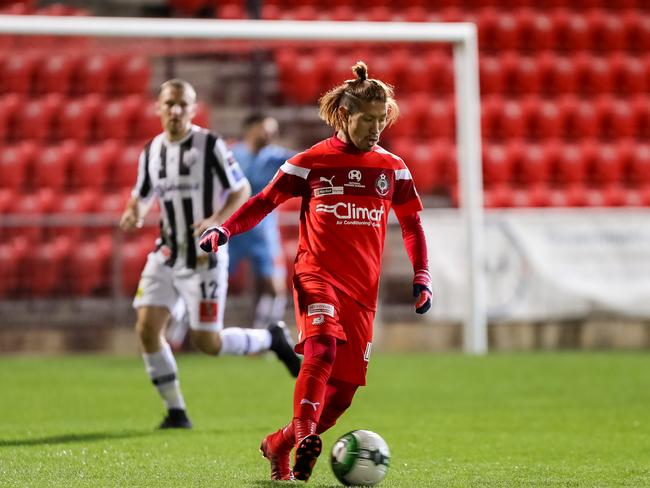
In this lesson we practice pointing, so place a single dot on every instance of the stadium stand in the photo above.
(565, 108)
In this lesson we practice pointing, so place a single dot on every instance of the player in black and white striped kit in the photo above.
(198, 184)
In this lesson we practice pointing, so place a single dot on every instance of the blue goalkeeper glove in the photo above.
(422, 291)
(212, 238)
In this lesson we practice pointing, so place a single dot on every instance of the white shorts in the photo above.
(202, 291)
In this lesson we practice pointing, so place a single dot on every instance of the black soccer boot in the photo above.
(176, 419)
(282, 346)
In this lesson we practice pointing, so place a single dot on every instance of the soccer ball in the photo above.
(360, 458)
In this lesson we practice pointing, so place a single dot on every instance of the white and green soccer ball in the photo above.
(360, 458)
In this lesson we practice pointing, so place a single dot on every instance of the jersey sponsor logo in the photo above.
(382, 185)
(162, 189)
(314, 405)
(354, 175)
(320, 308)
(208, 311)
(354, 179)
(328, 190)
(366, 355)
(318, 320)
(351, 214)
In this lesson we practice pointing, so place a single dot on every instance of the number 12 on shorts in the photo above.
(208, 307)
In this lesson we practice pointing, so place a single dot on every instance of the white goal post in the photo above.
(462, 35)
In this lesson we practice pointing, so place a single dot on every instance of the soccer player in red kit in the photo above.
(348, 184)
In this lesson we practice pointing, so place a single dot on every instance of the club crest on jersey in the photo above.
(382, 185)
(190, 157)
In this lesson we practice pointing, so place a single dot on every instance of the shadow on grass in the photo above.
(71, 438)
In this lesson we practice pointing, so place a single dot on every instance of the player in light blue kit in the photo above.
(259, 159)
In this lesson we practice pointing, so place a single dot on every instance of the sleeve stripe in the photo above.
(292, 169)
(403, 174)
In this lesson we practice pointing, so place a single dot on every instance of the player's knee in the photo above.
(207, 342)
(321, 347)
(149, 333)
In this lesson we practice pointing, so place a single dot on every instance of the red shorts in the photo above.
(322, 309)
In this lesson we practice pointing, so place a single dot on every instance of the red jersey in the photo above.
(346, 196)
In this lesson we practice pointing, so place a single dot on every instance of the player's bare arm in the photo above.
(234, 200)
(130, 216)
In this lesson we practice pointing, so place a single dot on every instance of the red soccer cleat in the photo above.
(274, 448)
(307, 451)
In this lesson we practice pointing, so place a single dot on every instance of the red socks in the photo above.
(309, 392)
(338, 397)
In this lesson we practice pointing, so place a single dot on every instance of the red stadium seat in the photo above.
(594, 75)
(637, 31)
(94, 74)
(133, 76)
(52, 164)
(546, 119)
(125, 170)
(490, 117)
(46, 267)
(90, 266)
(522, 74)
(37, 121)
(33, 205)
(147, 122)
(609, 166)
(75, 206)
(497, 165)
(10, 105)
(90, 169)
(440, 73)
(440, 120)
(573, 164)
(582, 119)
(534, 164)
(113, 203)
(115, 118)
(617, 119)
(491, 75)
(640, 166)
(557, 75)
(571, 31)
(536, 31)
(607, 30)
(500, 196)
(15, 164)
(629, 75)
(513, 120)
(77, 118)
(8, 270)
(641, 108)
(134, 257)
(18, 73)
(54, 73)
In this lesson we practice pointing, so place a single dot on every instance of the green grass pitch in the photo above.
(534, 420)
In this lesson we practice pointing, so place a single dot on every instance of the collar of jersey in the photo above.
(344, 146)
(183, 139)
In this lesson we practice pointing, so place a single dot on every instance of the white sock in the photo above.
(161, 368)
(236, 341)
(269, 309)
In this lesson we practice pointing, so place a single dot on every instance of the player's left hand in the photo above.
(212, 238)
(422, 291)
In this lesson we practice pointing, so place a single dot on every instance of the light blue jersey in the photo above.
(261, 244)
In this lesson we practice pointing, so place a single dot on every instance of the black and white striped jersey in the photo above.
(191, 179)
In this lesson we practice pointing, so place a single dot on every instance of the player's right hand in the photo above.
(129, 220)
(212, 238)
